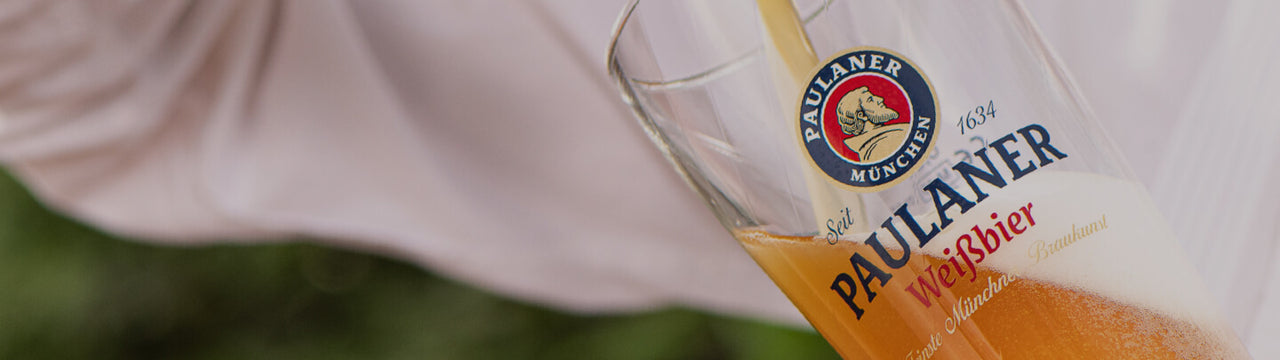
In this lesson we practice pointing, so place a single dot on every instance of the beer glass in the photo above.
(920, 178)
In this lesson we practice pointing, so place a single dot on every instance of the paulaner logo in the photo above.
(867, 118)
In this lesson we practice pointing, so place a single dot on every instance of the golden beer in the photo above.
(1019, 318)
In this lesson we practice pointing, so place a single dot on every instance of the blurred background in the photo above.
(68, 291)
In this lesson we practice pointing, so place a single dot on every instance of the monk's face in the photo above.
(859, 107)
(873, 109)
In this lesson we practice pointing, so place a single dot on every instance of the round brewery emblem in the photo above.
(867, 118)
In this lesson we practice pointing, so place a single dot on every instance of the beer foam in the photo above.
(1135, 259)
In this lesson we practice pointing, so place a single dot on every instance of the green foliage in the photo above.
(68, 291)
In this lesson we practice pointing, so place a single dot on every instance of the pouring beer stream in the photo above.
(981, 289)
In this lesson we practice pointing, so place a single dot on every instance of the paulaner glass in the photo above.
(919, 177)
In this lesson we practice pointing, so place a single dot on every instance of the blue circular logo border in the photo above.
(920, 94)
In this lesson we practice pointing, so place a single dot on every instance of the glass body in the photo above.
(984, 216)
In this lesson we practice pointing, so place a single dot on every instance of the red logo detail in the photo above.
(894, 98)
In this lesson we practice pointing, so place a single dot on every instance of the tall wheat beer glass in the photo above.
(920, 178)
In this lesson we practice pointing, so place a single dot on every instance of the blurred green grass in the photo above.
(68, 291)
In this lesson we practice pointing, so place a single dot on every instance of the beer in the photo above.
(1020, 307)
(1027, 319)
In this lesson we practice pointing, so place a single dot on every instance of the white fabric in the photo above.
(482, 139)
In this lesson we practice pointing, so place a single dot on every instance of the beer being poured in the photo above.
(898, 231)
(1004, 287)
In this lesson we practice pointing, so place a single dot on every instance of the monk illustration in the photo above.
(863, 115)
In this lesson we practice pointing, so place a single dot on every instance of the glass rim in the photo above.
(615, 69)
